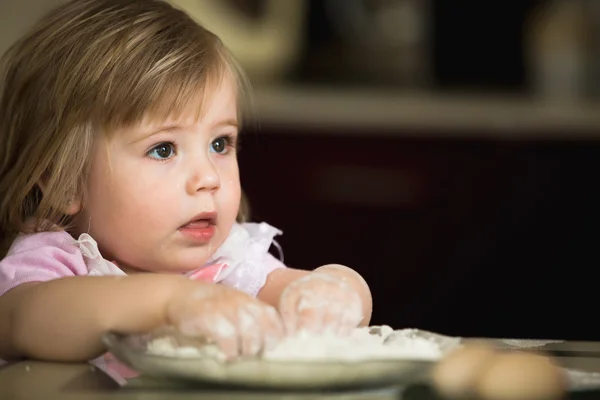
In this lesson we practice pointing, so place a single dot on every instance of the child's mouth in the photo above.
(199, 224)
(201, 228)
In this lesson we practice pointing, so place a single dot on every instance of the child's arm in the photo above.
(64, 319)
(281, 279)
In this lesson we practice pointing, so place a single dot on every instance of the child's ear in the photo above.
(74, 206)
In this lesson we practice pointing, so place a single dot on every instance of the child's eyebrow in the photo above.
(149, 133)
(228, 122)
(179, 127)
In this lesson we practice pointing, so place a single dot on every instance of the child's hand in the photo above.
(320, 302)
(237, 322)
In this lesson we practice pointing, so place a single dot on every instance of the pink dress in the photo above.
(243, 261)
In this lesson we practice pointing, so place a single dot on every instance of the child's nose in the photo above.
(204, 177)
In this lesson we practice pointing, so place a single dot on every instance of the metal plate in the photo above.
(269, 374)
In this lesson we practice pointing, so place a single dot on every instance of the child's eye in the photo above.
(222, 144)
(162, 151)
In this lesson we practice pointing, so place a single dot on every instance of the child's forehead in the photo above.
(218, 103)
(184, 91)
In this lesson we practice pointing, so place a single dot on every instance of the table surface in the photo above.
(33, 379)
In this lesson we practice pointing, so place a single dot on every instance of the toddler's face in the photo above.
(163, 197)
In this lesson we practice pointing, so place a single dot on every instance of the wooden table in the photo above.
(37, 380)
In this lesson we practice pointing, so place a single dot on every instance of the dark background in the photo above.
(472, 236)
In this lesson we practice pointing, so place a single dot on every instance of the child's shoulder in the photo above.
(40, 257)
(42, 240)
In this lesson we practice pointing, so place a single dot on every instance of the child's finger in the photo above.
(288, 311)
(225, 333)
(250, 332)
(273, 327)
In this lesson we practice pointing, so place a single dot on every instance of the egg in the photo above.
(522, 376)
(455, 376)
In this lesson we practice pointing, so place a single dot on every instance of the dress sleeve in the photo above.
(245, 257)
(40, 257)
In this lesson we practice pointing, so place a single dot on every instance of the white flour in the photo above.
(362, 344)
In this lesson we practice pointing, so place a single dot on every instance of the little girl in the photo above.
(120, 194)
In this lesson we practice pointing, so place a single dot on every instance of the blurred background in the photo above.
(446, 149)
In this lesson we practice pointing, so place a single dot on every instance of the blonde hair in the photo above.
(86, 68)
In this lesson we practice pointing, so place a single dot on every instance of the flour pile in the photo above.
(363, 344)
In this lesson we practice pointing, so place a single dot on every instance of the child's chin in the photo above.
(187, 262)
